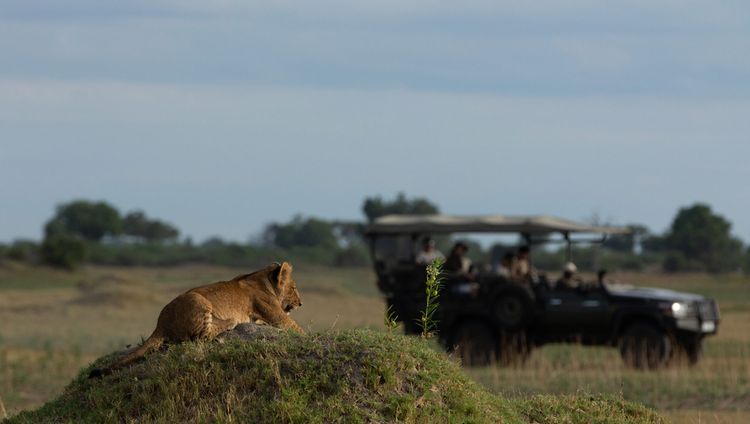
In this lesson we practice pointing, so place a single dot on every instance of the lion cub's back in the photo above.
(227, 297)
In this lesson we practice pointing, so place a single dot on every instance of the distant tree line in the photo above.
(84, 231)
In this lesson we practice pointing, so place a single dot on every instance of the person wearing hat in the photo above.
(428, 253)
(568, 281)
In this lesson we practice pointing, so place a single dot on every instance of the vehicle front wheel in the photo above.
(644, 346)
(686, 352)
(475, 343)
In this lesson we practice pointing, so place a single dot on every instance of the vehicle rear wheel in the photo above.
(513, 308)
(475, 343)
(514, 348)
(644, 346)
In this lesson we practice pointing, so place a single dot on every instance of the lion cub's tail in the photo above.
(152, 343)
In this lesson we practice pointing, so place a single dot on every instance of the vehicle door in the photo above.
(573, 312)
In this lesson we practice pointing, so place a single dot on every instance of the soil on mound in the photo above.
(260, 376)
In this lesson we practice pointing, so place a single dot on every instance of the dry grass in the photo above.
(54, 323)
(692, 416)
(716, 390)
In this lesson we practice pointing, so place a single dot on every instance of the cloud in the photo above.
(662, 14)
(560, 65)
(539, 48)
(183, 150)
(628, 109)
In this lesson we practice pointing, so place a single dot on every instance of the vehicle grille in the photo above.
(709, 310)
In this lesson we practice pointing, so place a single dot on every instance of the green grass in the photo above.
(53, 323)
(334, 376)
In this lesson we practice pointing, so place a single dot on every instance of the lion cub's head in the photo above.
(288, 294)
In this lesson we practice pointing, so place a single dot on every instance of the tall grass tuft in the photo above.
(390, 319)
(432, 289)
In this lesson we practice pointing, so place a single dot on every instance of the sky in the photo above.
(221, 116)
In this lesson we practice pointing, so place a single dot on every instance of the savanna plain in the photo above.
(53, 323)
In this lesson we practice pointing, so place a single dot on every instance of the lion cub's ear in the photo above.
(282, 275)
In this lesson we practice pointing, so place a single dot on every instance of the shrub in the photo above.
(63, 251)
(353, 255)
(23, 250)
(677, 262)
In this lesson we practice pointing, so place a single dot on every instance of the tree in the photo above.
(626, 242)
(137, 224)
(374, 207)
(89, 220)
(654, 243)
(703, 237)
(348, 232)
(301, 232)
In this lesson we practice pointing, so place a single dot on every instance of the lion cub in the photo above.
(265, 296)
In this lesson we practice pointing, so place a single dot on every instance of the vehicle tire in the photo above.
(513, 308)
(686, 352)
(475, 343)
(645, 346)
(513, 349)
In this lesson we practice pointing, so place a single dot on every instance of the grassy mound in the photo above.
(347, 376)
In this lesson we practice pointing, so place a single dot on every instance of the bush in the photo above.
(677, 262)
(593, 258)
(311, 255)
(146, 254)
(158, 254)
(63, 251)
(23, 250)
(354, 255)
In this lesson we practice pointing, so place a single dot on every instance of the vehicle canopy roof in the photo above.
(435, 224)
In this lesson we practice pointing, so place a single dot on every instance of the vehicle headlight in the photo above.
(679, 309)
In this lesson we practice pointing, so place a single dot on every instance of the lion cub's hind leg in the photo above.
(218, 326)
(194, 319)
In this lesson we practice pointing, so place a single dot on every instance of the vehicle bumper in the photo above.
(697, 325)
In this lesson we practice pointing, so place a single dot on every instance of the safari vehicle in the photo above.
(501, 321)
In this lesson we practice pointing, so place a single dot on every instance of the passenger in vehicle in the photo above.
(461, 277)
(521, 268)
(458, 263)
(506, 266)
(429, 252)
(601, 277)
(569, 281)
